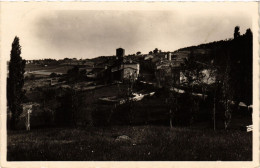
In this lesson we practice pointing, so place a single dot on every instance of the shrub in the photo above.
(30, 77)
(52, 75)
(72, 110)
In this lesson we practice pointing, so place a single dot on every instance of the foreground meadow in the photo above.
(145, 143)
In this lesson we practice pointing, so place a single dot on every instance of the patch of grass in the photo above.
(50, 68)
(147, 143)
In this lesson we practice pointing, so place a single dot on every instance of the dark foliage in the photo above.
(155, 51)
(30, 77)
(236, 32)
(240, 53)
(15, 82)
(71, 104)
(75, 75)
(138, 53)
(53, 74)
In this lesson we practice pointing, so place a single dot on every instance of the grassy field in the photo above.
(146, 143)
(50, 68)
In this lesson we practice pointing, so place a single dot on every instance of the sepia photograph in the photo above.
(129, 81)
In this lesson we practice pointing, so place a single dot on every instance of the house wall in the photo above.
(131, 69)
(133, 66)
(129, 72)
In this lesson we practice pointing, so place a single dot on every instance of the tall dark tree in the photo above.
(172, 96)
(236, 32)
(241, 67)
(15, 82)
(248, 66)
(192, 71)
(192, 78)
(227, 94)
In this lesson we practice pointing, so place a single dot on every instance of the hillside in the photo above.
(236, 54)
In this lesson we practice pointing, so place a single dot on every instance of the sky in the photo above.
(88, 33)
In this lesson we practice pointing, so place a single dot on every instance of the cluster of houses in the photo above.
(156, 67)
(117, 69)
(122, 67)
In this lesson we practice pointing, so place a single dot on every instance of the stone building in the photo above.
(124, 69)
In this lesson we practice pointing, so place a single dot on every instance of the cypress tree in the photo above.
(15, 83)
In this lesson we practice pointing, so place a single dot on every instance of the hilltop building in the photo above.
(124, 69)
(118, 69)
(120, 53)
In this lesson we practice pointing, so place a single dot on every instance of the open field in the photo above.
(48, 69)
(145, 143)
(58, 68)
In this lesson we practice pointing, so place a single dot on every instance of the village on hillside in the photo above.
(190, 104)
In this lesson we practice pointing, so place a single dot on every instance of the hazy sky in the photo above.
(90, 33)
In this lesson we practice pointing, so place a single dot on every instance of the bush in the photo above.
(72, 111)
(30, 77)
(52, 75)
(75, 75)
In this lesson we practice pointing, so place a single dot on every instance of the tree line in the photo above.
(230, 64)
